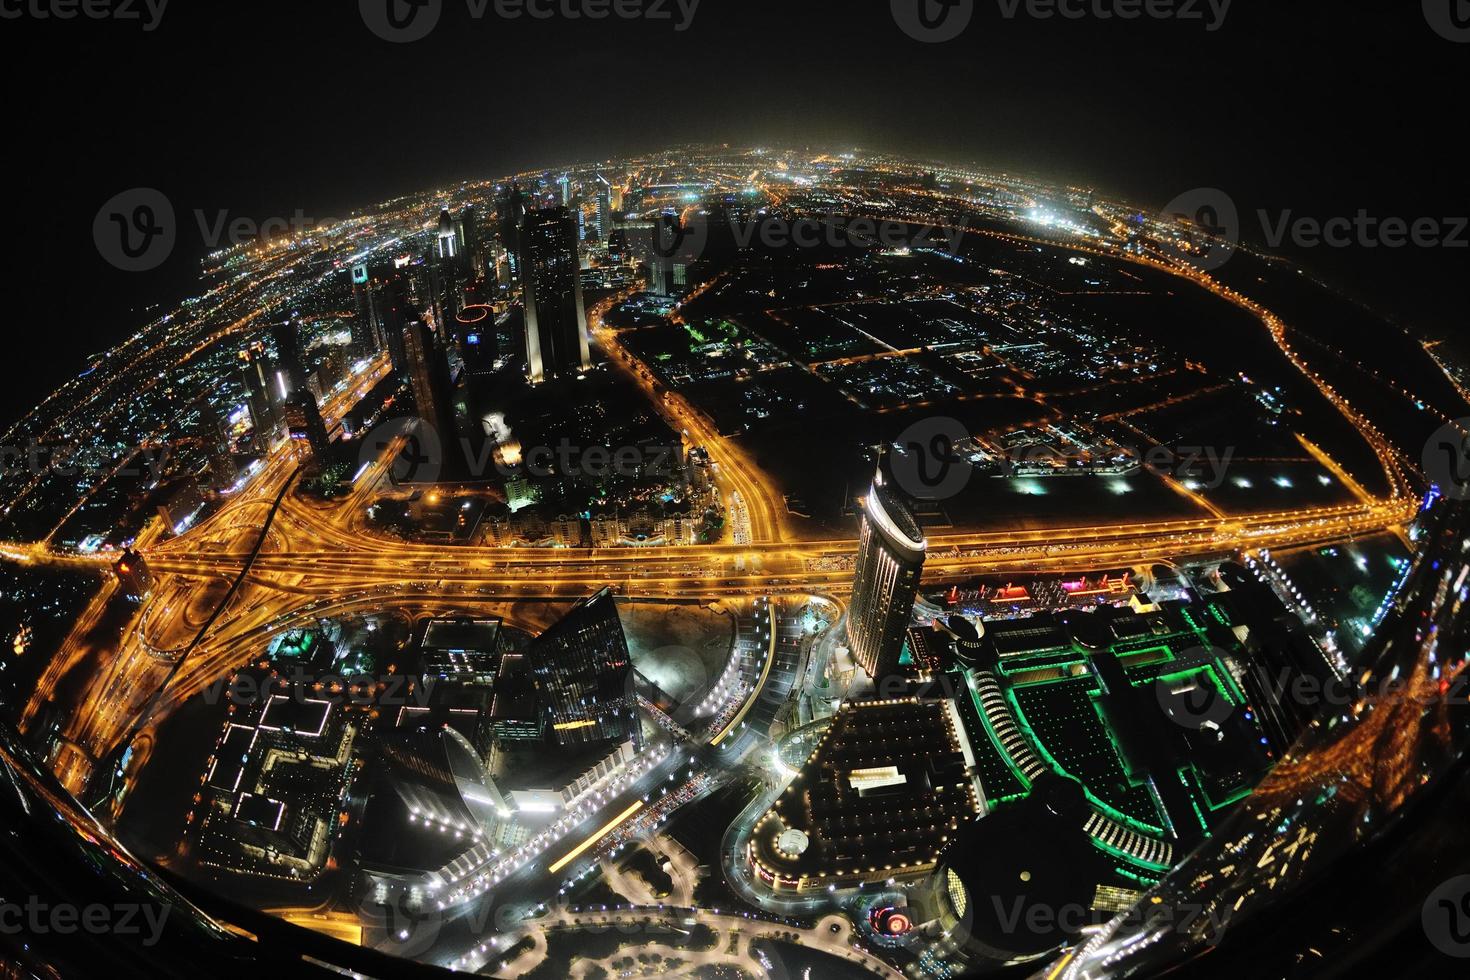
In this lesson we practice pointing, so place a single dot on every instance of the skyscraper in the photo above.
(366, 330)
(133, 575)
(394, 311)
(215, 436)
(510, 208)
(665, 242)
(428, 373)
(300, 413)
(890, 560)
(448, 236)
(584, 676)
(475, 330)
(260, 393)
(604, 208)
(304, 424)
(439, 287)
(288, 357)
(565, 183)
(469, 239)
(556, 319)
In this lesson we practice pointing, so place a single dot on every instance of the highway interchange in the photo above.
(318, 560)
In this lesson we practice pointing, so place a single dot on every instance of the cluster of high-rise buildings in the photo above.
(438, 317)
(284, 398)
(458, 310)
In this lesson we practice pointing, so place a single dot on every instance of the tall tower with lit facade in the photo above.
(300, 413)
(510, 211)
(366, 328)
(584, 676)
(556, 318)
(448, 236)
(261, 392)
(604, 208)
(890, 560)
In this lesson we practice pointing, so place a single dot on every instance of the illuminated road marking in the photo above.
(606, 829)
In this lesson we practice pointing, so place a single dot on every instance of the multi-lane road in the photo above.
(318, 560)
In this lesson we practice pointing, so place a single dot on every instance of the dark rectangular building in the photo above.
(556, 317)
(583, 675)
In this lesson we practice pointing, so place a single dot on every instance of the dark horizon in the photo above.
(1314, 109)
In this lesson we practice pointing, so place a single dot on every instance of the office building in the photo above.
(394, 312)
(304, 424)
(215, 436)
(366, 328)
(604, 208)
(433, 391)
(260, 394)
(510, 206)
(448, 236)
(292, 372)
(556, 318)
(300, 414)
(583, 675)
(890, 560)
(475, 331)
(468, 231)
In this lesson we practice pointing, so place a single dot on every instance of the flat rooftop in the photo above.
(885, 788)
(462, 635)
(300, 716)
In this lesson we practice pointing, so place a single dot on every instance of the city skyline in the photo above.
(737, 508)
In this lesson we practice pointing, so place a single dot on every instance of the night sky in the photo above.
(261, 108)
